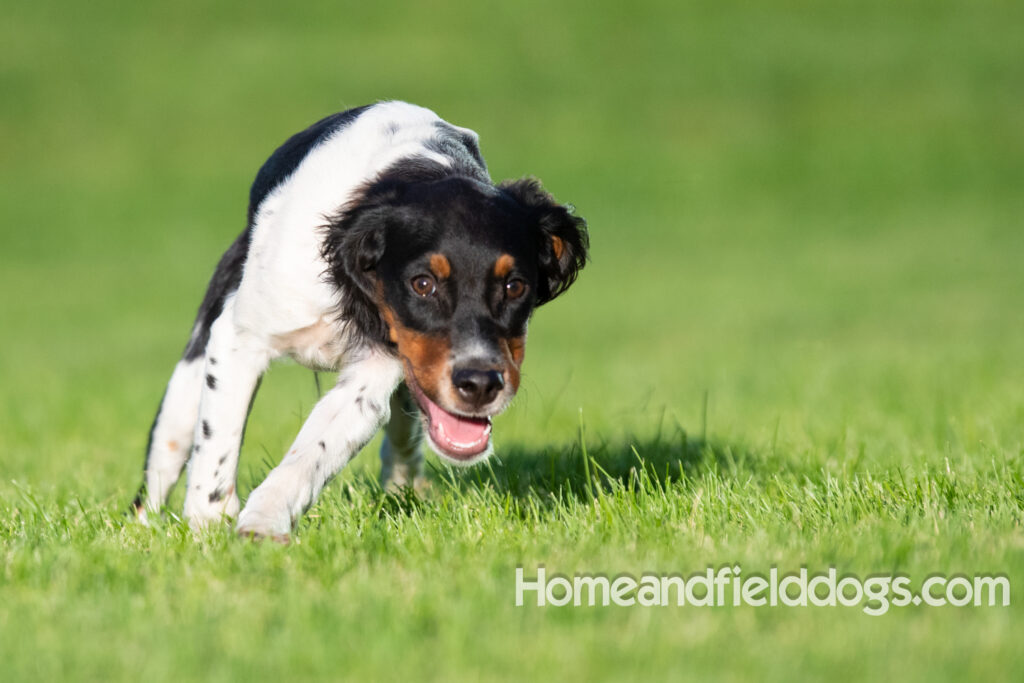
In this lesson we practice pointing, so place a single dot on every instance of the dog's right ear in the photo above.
(562, 236)
(355, 243)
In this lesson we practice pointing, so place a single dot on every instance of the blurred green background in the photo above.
(806, 221)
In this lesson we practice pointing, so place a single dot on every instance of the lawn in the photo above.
(799, 342)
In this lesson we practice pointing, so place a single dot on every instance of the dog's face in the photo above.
(452, 270)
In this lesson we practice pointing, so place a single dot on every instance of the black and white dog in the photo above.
(376, 246)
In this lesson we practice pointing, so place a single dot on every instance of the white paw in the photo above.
(262, 520)
(202, 510)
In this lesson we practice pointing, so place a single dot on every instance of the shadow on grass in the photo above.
(582, 470)
(579, 467)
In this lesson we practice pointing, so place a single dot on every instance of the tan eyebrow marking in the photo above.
(504, 265)
(439, 266)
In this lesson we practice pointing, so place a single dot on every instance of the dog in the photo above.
(376, 246)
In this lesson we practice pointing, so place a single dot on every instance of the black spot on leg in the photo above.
(323, 446)
(367, 406)
(207, 432)
(195, 448)
(213, 361)
(223, 459)
(216, 495)
(211, 381)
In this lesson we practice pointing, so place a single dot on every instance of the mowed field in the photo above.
(799, 342)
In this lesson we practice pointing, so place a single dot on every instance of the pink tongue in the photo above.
(458, 436)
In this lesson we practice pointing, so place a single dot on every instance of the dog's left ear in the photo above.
(562, 237)
(353, 246)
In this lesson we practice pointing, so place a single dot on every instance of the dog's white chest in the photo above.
(319, 346)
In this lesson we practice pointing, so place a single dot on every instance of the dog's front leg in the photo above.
(401, 451)
(340, 424)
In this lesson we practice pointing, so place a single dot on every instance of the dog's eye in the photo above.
(424, 285)
(515, 288)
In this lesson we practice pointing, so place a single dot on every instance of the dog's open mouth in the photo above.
(458, 437)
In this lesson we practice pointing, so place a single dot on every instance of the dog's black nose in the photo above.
(478, 387)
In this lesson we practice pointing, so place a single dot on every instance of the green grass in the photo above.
(799, 342)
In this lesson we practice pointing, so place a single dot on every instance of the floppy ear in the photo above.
(562, 237)
(355, 242)
(361, 247)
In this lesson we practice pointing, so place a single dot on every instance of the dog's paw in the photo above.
(398, 475)
(257, 523)
(202, 511)
(419, 484)
(256, 536)
(140, 514)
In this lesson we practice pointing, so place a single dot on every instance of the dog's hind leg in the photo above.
(401, 452)
(235, 360)
(170, 438)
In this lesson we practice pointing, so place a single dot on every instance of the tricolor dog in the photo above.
(378, 247)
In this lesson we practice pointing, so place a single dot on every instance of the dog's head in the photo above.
(447, 273)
